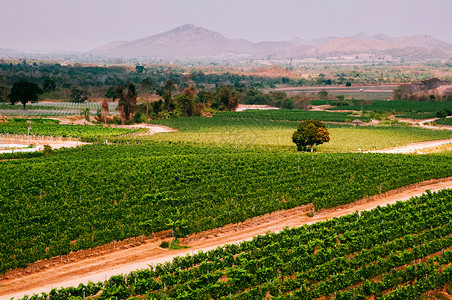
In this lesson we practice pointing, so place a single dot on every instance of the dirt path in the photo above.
(418, 148)
(123, 261)
(152, 128)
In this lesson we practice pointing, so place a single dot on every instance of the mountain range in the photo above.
(194, 42)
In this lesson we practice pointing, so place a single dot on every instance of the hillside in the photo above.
(190, 41)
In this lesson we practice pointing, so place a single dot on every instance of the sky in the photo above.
(81, 25)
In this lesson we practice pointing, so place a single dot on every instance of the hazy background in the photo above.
(80, 25)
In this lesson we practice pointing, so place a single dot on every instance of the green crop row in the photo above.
(76, 131)
(400, 251)
(83, 197)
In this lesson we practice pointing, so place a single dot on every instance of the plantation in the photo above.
(87, 196)
(401, 108)
(444, 121)
(261, 130)
(76, 131)
(400, 251)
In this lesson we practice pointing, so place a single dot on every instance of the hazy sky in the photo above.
(81, 25)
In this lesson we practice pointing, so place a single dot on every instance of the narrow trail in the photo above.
(124, 261)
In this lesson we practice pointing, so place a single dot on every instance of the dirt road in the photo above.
(123, 261)
(417, 148)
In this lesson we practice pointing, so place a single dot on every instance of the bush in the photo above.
(165, 244)
(48, 150)
(441, 114)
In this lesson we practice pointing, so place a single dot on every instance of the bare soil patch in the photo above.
(122, 261)
(152, 128)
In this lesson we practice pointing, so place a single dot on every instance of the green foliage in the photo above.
(441, 114)
(260, 130)
(310, 133)
(48, 150)
(24, 92)
(93, 133)
(210, 186)
(164, 244)
(399, 251)
(445, 121)
(79, 95)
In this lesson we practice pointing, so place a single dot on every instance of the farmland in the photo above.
(400, 251)
(128, 190)
(272, 130)
(400, 108)
(18, 127)
(444, 121)
(221, 169)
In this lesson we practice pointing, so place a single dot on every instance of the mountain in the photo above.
(4, 52)
(187, 41)
(362, 45)
(190, 41)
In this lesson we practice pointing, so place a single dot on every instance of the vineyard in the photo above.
(444, 121)
(84, 132)
(53, 108)
(401, 251)
(83, 197)
(262, 130)
(401, 108)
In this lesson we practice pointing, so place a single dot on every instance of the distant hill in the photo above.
(187, 41)
(7, 52)
(191, 41)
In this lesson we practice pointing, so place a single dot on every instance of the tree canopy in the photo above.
(24, 91)
(310, 133)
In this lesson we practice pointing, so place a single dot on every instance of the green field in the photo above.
(353, 92)
(394, 252)
(401, 108)
(444, 121)
(99, 193)
(84, 132)
(256, 130)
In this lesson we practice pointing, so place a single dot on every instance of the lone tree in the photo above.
(24, 91)
(310, 133)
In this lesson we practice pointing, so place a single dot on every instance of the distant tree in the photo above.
(24, 91)
(3, 89)
(168, 90)
(49, 85)
(110, 93)
(302, 101)
(310, 133)
(323, 94)
(226, 98)
(147, 87)
(139, 69)
(79, 95)
(127, 101)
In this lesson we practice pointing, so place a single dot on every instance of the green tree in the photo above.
(310, 133)
(49, 85)
(24, 91)
(79, 95)
(3, 89)
(226, 98)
